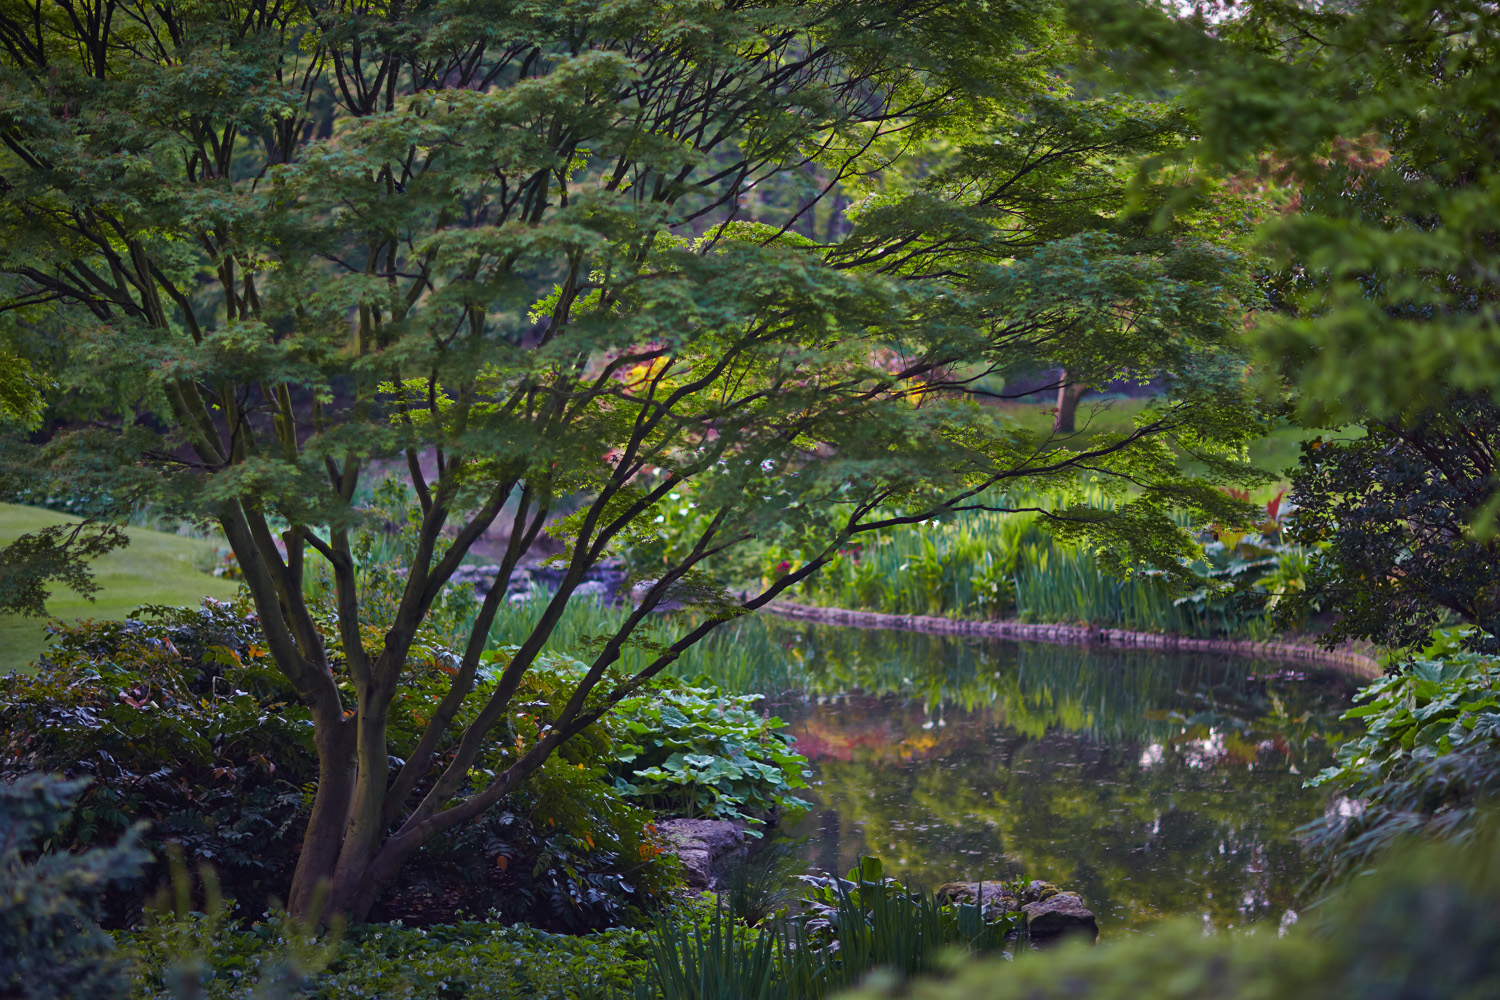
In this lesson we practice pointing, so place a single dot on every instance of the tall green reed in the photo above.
(986, 564)
(872, 925)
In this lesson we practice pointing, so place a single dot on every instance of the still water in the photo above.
(1154, 785)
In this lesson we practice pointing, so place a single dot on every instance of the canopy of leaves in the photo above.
(1372, 123)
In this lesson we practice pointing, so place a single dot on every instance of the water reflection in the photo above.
(1155, 785)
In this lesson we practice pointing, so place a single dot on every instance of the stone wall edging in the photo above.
(1350, 660)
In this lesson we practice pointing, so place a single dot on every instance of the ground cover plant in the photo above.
(205, 955)
(537, 253)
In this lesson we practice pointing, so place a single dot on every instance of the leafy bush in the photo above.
(178, 724)
(1393, 513)
(695, 752)
(1423, 927)
(51, 947)
(1429, 759)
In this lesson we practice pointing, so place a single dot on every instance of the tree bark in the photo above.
(323, 840)
(1068, 395)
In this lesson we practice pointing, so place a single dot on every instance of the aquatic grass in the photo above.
(869, 925)
(990, 565)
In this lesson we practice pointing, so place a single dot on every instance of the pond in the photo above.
(1155, 785)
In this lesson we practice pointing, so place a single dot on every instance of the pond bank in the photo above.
(1351, 661)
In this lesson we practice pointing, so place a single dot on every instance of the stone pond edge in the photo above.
(1349, 660)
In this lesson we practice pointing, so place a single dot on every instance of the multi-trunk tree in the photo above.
(531, 253)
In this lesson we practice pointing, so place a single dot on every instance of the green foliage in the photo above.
(697, 752)
(992, 564)
(59, 552)
(155, 568)
(570, 252)
(852, 928)
(180, 722)
(206, 955)
(1384, 281)
(1427, 763)
(765, 881)
(50, 943)
(474, 959)
(1421, 927)
(724, 961)
(19, 399)
(191, 948)
(1400, 519)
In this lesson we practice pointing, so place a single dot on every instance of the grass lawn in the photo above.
(155, 568)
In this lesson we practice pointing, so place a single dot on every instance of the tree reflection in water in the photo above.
(1155, 785)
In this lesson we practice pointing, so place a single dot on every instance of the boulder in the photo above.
(704, 846)
(1059, 915)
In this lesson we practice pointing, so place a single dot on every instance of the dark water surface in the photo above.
(1154, 785)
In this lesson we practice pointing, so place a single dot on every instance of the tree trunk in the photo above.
(1068, 395)
(323, 840)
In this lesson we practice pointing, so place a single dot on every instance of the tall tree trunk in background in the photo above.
(1068, 395)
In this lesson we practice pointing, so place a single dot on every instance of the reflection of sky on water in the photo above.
(1154, 785)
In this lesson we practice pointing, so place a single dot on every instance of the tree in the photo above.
(535, 251)
(1394, 510)
(1373, 122)
(1376, 123)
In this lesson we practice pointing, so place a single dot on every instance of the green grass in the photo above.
(155, 568)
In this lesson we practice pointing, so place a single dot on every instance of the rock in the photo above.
(703, 846)
(992, 896)
(1060, 914)
(604, 581)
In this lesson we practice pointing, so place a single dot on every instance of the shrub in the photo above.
(51, 947)
(177, 724)
(693, 751)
